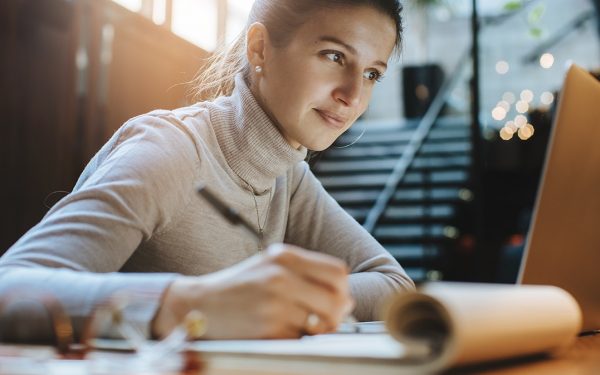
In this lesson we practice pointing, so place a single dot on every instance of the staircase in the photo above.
(419, 225)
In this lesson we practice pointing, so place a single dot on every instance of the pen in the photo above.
(229, 213)
(233, 216)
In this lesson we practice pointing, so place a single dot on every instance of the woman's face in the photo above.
(315, 87)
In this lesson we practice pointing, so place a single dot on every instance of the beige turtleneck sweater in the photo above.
(133, 221)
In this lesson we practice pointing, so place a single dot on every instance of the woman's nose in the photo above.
(349, 91)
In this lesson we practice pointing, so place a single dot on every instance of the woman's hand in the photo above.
(270, 295)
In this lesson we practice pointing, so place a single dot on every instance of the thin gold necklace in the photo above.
(260, 227)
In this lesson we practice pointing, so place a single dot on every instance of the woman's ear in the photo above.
(257, 41)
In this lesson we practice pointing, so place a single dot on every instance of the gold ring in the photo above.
(312, 321)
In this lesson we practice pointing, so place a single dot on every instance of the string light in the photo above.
(527, 95)
(498, 113)
(504, 104)
(509, 97)
(546, 98)
(531, 129)
(525, 132)
(451, 232)
(502, 67)
(511, 125)
(506, 133)
(522, 106)
(547, 60)
(520, 121)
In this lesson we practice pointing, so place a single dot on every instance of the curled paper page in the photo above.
(451, 324)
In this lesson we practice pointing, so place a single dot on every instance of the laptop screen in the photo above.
(563, 245)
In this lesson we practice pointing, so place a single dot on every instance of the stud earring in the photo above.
(258, 69)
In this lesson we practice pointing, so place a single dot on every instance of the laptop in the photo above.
(563, 245)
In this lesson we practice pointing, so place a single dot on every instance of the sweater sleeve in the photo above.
(130, 190)
(317, 222)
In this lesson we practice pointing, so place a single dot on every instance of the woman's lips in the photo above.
(336, 121)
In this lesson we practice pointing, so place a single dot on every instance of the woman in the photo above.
(300, 75)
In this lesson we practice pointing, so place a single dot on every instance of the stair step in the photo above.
(383, 164)
(402, 195)
(441, 162)
(359, 214)
(391, 125)
(433, 195)
(409, 232)
(395, 214)
(456, 177)
(383, 151)
(416, 226)
(413, 252)
(349, 197)
(442, 134)
(419, 212)
(416, 273)
(445, 148)
(401, 136)
(371, 180)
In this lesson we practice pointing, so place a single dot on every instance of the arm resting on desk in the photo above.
(317, 222)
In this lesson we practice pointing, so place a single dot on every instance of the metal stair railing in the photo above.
(413, 147)
(576, 24)
(426, 124)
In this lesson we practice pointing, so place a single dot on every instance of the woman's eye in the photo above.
(373, 75)
(336, 57)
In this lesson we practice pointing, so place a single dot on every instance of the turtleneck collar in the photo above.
(254, 148)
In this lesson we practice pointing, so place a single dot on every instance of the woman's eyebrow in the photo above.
(352, 50)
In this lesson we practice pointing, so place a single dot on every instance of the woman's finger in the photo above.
(320, 268)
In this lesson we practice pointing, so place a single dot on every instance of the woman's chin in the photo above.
(319, 145)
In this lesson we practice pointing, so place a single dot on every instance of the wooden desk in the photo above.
(582, 358)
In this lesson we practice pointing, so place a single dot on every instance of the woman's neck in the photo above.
(253, 85)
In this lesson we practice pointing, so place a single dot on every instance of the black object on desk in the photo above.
(231, 214)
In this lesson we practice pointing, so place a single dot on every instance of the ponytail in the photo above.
(216, 76)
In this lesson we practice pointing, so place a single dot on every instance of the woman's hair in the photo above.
(281, 18)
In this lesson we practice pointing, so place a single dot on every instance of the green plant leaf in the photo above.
(513, 5)
(536, 14)
(535, 32)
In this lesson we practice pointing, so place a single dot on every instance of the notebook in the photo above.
(563, 246)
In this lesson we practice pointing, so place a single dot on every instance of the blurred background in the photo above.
(442, 169)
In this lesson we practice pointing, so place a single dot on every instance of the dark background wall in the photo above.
(71, 72)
